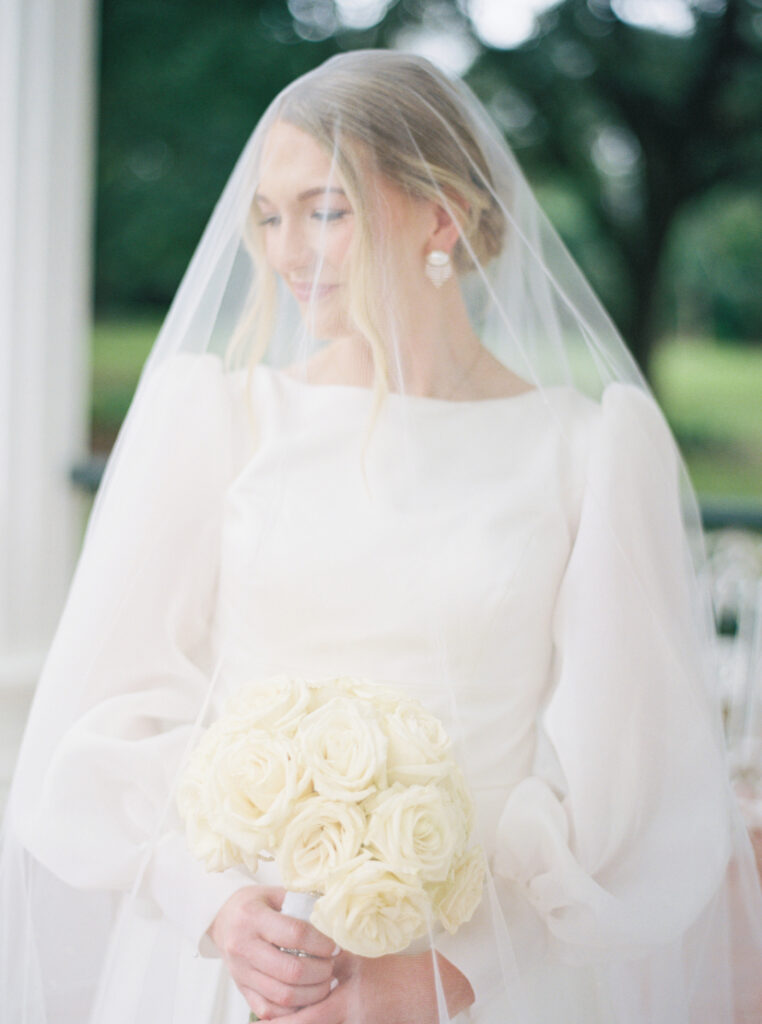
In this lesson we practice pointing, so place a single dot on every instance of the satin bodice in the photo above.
(434, 570)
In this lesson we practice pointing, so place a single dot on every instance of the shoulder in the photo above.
(194, 387)
(617, 447)
(184, 375)
(624, 415)
(633, 433)
(187, 406)
(632, 410)
(634, 472)
(202, 384)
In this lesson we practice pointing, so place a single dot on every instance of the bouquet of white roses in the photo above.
(351, 786)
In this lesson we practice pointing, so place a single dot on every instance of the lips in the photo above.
(310, 292)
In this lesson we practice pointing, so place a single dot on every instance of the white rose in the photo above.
(276, 704)
(321, 839)
(344, 750)
(217, 853)
(415, 830)
(254, 782)
(214, 850)
(454, 785)
(456, 899)
(372, 912)
(383, 699)
(419, 747)
(323, 691)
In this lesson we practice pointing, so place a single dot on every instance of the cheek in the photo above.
(270, 249)
(337, 247)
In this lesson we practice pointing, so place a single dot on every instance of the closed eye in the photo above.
(330, 215)
(326, 216)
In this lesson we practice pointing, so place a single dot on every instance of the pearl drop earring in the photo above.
(438, 267)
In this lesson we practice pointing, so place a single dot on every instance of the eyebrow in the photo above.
(320, 190)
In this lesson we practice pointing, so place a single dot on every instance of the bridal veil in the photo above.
(620, 882)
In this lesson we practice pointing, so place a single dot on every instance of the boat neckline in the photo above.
(423, 400)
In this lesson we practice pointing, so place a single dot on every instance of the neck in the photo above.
(433, 350)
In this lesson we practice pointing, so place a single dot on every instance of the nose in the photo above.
(289, 249)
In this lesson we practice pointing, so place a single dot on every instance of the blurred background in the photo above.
(638, 122)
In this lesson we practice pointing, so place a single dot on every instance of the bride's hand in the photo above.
(396, 989)
(248, 930)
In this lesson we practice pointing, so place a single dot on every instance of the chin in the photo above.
(326, 324)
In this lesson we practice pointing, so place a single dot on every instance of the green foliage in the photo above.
(641, 124)
(643, 146)
(182, 85)
(714, 266)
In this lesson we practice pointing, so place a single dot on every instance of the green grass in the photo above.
(712, 395)
(710, 391)
(119, 349)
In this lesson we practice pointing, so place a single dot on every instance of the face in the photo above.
(307, 222)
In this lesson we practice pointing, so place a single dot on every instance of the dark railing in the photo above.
(87, 475)
(735, 514)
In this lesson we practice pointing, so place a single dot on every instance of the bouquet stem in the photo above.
(299, 905)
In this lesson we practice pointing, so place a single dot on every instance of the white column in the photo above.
(46, 173)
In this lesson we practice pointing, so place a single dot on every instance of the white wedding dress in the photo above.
(501, 598)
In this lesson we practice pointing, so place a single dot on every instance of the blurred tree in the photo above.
(714, 262)
(625, 132)
(182, 84)
(644, 123)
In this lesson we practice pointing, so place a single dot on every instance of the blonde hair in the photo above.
(405, 113)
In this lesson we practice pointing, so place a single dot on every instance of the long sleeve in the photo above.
(133, 657)
(628, 853)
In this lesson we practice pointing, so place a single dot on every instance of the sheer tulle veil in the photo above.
(621, 853)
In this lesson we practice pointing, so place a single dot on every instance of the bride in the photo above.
(388, 431)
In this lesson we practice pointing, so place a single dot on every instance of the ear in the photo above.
(445, 229)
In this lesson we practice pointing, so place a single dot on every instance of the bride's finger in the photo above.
(287, 997)
(261, 1007)
(331, 1010)
(292, 934)
(290, 969)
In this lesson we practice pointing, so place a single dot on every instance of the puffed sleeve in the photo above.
(131, 664)
(627, 851)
